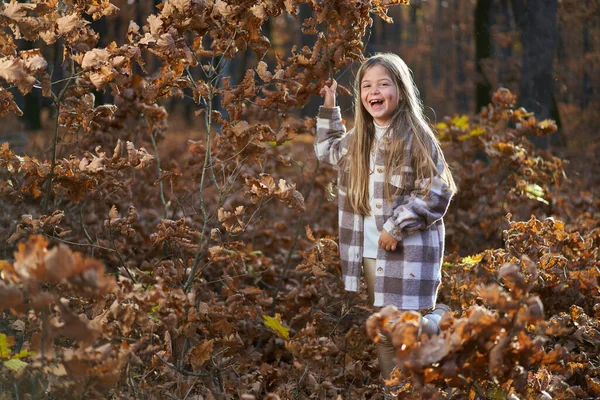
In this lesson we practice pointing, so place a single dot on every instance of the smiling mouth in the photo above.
(375, 103)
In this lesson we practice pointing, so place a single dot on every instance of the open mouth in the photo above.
(376, 103)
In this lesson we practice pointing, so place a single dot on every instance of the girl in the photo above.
(394, 187)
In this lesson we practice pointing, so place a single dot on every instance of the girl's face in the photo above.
(379, 94)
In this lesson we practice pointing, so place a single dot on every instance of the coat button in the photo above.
(379, 270)
(380, 170)
(378, 205)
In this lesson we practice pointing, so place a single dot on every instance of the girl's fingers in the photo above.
(334, 86)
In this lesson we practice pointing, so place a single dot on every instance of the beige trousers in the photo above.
(385, 348)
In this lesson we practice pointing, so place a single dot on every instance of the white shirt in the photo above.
(371, 233)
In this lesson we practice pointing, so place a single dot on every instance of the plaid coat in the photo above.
(408, 277)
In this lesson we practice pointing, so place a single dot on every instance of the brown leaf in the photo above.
(263, 72)
(200, 354)
(61, 263)
(10, 296)
(73, 326)
(16, 11)
(14, 71)
(68, 23)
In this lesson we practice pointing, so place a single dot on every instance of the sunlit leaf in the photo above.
(6, 342)
(536, 192)
(277, 326)
(15, 364)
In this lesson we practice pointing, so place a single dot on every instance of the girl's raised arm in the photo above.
(331, 142)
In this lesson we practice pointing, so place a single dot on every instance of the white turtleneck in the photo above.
(371, 233)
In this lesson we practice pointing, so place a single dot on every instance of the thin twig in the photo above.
(181, 371)
(79, 244)
(188, 392)
(57, 100)
(171, 396)
(112, 240)
(199, 253)
(159, 173)
(87, 235)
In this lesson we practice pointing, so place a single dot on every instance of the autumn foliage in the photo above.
(139, 266)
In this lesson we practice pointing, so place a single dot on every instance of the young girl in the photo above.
(394, 187)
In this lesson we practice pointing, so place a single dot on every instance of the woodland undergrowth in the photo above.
(141, 267)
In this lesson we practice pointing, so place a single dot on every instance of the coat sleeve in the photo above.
(418, 210)
(331, 134)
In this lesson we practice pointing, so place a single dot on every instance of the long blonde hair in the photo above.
(408, 120)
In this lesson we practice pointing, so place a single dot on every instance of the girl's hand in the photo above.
(386, 241)
(328, 93)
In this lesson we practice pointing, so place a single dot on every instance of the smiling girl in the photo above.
(394, 187)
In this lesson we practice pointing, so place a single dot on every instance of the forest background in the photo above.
(167, 231)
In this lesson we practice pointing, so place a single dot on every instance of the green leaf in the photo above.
(472, 133)
(24, 353)
(6, 342)
(472, 260)
(536, 192)
(15, 364)
(277, 326)
(441, 126)
(496, 393)
(461, 122)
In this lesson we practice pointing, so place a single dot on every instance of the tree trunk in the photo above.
(483, 50)
(461, 76)
(32, 102)
(537, 21)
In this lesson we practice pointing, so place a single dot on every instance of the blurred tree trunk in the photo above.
(483, 51)
(504, 23)
(462, 99)
(537, 20)
(312, 107)
(436, 67)
(32, 102)
(587, 86)
(100, 27)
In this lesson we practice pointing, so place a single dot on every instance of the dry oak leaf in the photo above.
(263, 72)
(68, 23)
(98, 62)
(16, 11)
(76, 327)
(99, 8)
(265, 187)
(7, 104)
(96, 164)
(34, 61)
(231, 220)
(138, 158)
(14, 70)
(200, 354)
(10, 295)
(221, 7)
(171, 7)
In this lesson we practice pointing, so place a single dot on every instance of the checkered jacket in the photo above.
(408, 277)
